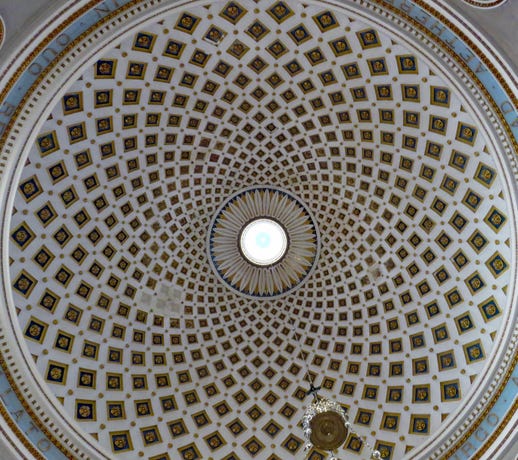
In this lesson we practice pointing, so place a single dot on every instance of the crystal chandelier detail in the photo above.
(326, 426)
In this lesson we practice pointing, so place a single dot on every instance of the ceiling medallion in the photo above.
(263, 242)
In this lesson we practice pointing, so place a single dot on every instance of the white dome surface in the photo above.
(238, 192)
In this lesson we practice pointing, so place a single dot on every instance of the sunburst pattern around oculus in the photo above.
(286, 272)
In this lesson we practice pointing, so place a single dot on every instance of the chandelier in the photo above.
(326, 426)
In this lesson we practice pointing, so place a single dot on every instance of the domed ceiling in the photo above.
(117, 297)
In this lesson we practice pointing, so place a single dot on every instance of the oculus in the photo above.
(263, 242)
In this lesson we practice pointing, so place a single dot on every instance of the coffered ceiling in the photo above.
(117, 294)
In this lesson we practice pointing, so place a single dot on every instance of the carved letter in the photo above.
(50, 50)
(468, 57)
(506, 107)
(44, 445)
(18, 414)
(493, 419)
(35, 68)
(467, 449)
(451, 42)
(480, 68)
(9, 390)
(32, 428)
(435, 29)
(407, 7)
(63, 39)
(481, 434)
(101, 12)
(423, 19)
(8, 110)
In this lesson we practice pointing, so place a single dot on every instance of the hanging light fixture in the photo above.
(326, 425)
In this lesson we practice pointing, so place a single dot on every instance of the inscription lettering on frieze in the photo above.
(506, 107)
(20, 416)
(51, 52)
(482, 433)
(44, 445)
(442, 32)
(61, 41)
(106, 7)
(7, 109)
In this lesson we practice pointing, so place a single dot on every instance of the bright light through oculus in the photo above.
(263, 242)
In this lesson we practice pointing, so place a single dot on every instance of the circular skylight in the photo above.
(263, 242)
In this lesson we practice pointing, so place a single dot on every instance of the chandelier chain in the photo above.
(297, 337)
(302, 355)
